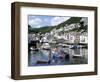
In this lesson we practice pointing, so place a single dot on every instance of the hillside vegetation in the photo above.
(68, 22)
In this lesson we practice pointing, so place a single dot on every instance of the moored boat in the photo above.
(45, 46)
(77, 56)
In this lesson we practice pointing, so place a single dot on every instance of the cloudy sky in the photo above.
(37, 21)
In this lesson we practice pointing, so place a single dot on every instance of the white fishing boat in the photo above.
(34, 49)
(77, 56)
(45, 46)
(65, 45)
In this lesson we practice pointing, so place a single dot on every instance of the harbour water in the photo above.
(43, 57)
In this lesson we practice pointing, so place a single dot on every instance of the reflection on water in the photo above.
(59, 56)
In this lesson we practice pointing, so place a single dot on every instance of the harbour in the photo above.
(57, 55)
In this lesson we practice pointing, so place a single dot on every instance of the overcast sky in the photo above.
(37, 21)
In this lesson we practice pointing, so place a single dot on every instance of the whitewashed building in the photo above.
(84, 38)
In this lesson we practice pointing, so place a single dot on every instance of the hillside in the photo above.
(68, 22)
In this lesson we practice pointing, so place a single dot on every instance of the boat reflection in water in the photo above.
(57, 56)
